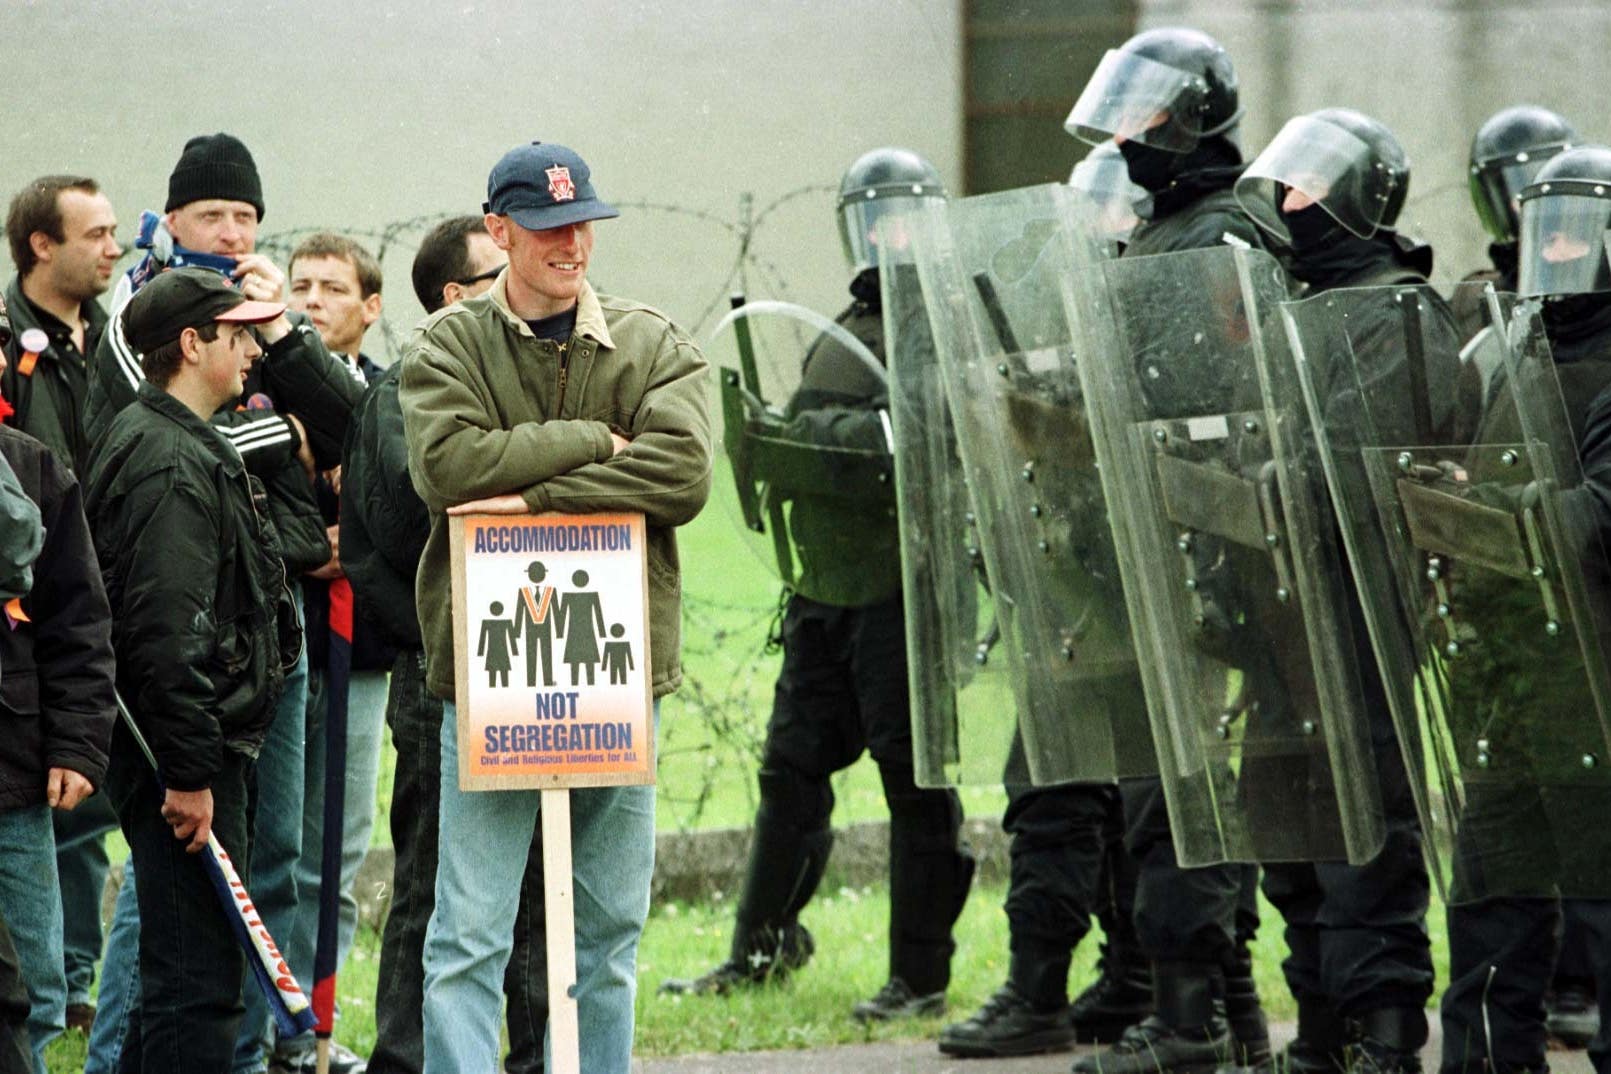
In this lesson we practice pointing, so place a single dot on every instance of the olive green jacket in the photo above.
(489, 409)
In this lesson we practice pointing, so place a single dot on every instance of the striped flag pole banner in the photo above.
(337, 675)
(286, 1000)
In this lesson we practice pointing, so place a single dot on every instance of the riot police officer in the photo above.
(1506, 153)
(1502, 946)
(1329, 188)
(1168, 99)
(843, 686)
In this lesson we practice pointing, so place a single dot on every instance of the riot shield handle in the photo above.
(774, 509)
(1409, 300)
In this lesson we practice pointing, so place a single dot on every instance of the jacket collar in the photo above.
(24, 315)
(181, 415)
(589, 314)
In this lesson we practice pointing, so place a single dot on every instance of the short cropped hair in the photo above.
(37, 207)
(162, 364)
(444, 257)
(329, 244)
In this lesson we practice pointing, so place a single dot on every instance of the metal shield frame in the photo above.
(1483, 581)
(993, 269)
(1233, 576)
(784, 476)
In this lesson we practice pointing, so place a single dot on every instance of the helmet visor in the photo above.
(859, 228)
(1563, 243)
(1119, 203)
(1312, 162)
(1496, 187)
(1137, 99)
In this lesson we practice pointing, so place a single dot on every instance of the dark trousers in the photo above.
(843, 690)
(191, 967)
(16, 1053)
(1197, 915)
(1356, 935)
(1501, 958)
(1068, 865)
(415, 719)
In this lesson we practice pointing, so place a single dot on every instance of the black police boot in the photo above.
(1572, 1016)
(1027, 1016)
(895, 1001)
(1387, 1041)
(1321, 1043)
(1186, 1034)
(764, 955)
(1120, 997)
(1246, 1016)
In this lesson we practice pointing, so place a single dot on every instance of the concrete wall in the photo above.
(365, 115)
(1432, 70)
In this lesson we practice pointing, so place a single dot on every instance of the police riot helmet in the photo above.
(880, 182)
(1120, 202)
(1565, 211)
(1167, 88)
(1506, 154)
(1342, 160)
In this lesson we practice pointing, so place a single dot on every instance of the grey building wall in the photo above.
(364, 116)
(1432, 70)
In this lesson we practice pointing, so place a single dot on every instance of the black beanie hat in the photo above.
(215, 166)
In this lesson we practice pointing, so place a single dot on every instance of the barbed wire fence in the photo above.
(729, 663)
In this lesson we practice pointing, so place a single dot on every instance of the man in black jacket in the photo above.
(198, 592)
(297, 403)
(62, 235)
(1168, 99)
(56, 709)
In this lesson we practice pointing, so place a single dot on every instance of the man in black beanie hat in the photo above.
(297, 402)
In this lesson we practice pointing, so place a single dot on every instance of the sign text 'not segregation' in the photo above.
(550, 615)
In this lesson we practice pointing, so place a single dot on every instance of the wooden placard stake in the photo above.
(559, 913)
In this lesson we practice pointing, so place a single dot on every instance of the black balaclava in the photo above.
(864, 288)
(1506, 257)
(1175, 180)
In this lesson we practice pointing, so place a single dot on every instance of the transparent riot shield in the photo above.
(1235, 579)
(992, 270)
(1479, 560)
(964, 712)
(812, 467)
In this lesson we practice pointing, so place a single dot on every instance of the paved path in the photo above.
(924, 1058)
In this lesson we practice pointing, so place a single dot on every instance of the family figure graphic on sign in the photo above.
(542, 616)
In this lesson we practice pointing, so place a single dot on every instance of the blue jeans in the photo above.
(32, 908)
(276, 846)
(120, 981)
(485, 837)
(82, 865)
(366, 713)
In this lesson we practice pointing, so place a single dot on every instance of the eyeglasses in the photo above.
(490, 274)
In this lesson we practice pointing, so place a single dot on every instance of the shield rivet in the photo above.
(1283, 594)
(1044, 547)
(1443, 611)
(1222, 731)
(1250, 426)
(1482, 745)
(1191, 584)
(1028, 472)
(1068, 654)
(1508, 458)
(1272, 539)
(1590, 760)
(1482, 760)
(1184, 542)
(1405, 461)
(1538, 572)
(969, 518)
(1160, 435)
(982, 656)
(1002, 369)
(1034, 510)
(1433, 574)
(1308, 727)
(1452, 649)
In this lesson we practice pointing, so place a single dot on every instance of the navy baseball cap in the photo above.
(544, 185)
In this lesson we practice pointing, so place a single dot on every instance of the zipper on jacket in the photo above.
(564, 374)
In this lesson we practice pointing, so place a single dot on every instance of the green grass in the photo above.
(812, 1008)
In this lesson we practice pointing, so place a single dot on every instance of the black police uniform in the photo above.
(1502, 950)
(843, 690)
(1358, 949)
